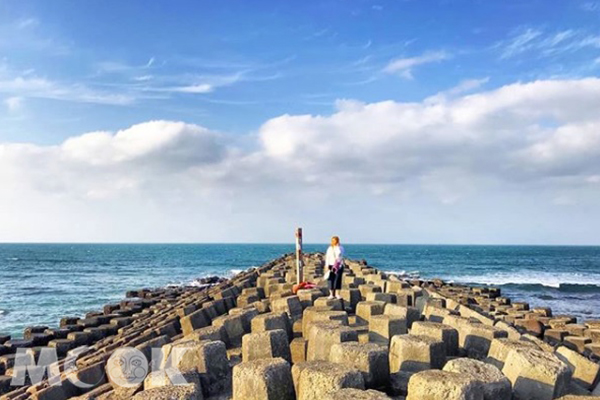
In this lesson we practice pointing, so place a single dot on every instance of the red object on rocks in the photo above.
(303, 285)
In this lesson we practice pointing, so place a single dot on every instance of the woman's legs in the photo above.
(331, 283)
(337, 282)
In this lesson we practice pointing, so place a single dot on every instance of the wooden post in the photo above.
(299, 263)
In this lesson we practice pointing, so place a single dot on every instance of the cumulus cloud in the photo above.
(532, 139)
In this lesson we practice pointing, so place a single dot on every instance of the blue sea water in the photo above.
(39, 283)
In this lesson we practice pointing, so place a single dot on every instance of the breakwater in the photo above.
(251, 337)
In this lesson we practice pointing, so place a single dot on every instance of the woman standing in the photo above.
(334, 260)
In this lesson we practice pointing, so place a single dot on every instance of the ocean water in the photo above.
(39, 283)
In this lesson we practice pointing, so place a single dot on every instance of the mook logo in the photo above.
(127, 367)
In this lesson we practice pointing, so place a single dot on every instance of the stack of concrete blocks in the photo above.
(253, 337)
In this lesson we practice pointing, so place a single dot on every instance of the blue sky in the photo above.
(232, 65)
(262, 82)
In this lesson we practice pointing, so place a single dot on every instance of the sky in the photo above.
(396, 121)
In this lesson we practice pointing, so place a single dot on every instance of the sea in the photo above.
(40, 283)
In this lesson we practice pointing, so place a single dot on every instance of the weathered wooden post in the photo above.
(299, 263)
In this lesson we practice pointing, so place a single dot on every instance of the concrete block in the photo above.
(313, 314)
(271, 321)
(500, 348)
(585, 372)
(208, 333)
(438, 385)
(268, 344)
(208, 358)
(478, 338)
(317, 379)
(438, 331)
(495, 385)
(234, 326)
(323, 335)
(265, 379)
(365, 309)
(351, 298)
(416, 353)
(179, 392)
(536, 375)
(383, 327)
(356, 394)
(369, 288)
(411, 314)
(298, 348)
(290, 305)
(370, 359)
(196, 320)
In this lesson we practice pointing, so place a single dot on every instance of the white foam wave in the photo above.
(404, 274)
(196, 283)
(553, 280)
(234, 272)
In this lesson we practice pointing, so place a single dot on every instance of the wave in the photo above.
(565, 288)
(404, 274)
(562, 282)
(3, 312)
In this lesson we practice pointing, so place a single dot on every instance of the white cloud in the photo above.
(24, 86)
(520, 43)
(465, 86)
(521, 145)
(201, 88)
(537, 42)
(13, 104)
(405, 66)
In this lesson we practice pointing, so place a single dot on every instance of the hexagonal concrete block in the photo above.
(585, 372)
(234, 326)
(478, 339)
(383, 327)
(316, 379)
(196, 320)
(208, 358)
(536, 375)
(265, 379)
(438, 385)
(438, 331)
(268, 344)
(411, 314)
(416, 353)
(271, 321)
(370, 359)
(298, 348)
(365, 309)
(290, 305)
(495, 385)
(334, 304)
(313, 314)
(500, 348)
(323, 335)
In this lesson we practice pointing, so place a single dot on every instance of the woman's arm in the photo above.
(340, 256)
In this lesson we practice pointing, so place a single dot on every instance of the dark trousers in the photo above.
(335, 278)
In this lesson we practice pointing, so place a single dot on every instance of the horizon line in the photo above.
(292, 244)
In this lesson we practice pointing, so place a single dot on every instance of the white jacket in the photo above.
(334, 253)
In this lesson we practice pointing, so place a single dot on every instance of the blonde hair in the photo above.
(335, 241)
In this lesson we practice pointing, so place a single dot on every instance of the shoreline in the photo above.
(225, 311)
